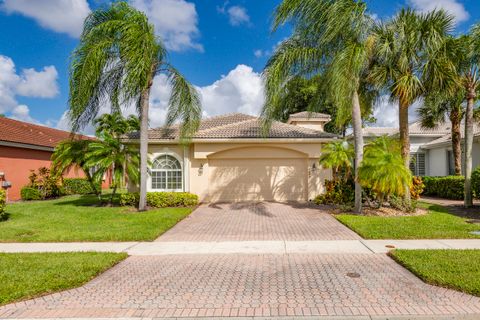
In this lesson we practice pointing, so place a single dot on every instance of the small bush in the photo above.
(161, 199)
(337, 192)
(79, 186)
(417, 188)
(476, 182)
(3, 203)
(450, 187)
(45, 182)
(29, 193)
(399, 203)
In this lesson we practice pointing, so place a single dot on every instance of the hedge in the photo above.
(3, 203)
(161, 199)
(449, 187)
(29, 193)
(79, 186)
(476, 182)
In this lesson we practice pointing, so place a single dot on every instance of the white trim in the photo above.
(182, 170)
(186, 170)
(239, 140)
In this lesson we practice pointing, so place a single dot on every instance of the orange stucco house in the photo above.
(24, 147)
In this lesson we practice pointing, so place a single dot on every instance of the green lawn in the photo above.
(26, 275)
(456, 269)
(79, 218)
(437, 224)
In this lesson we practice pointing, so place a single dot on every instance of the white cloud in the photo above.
(241, 90)
(30, 83)
(454, 7)
(176, 21)
(258, 53)
(386, 112)
(238, 15)
(42, 84)
(22, 113)
(64, 16)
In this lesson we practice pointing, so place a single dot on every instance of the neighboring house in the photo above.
(229, 159)
(25, 147)
(430, 149)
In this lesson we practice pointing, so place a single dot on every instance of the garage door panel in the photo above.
(257, 179)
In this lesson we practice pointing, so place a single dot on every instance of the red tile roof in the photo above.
(26, 133)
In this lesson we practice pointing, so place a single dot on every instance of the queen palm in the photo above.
(410, 59)
(116, 125)
(330, 39)
(116, 60)
(337, 155)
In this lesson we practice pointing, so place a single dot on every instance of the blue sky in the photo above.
(220, 46)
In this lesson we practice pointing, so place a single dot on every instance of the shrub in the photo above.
(79, 186)
(476, 182)
(28, 193)
(161, 199)
(3, 201)
(417, 188)
(45, 182)
(337, 192)
(399, 203)
(450, 187)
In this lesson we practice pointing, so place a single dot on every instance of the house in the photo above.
(230, 159)
(430, 149)
(25, 147)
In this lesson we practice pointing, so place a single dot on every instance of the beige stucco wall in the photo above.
(197, 159)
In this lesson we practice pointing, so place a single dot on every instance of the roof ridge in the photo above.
(226, 125)
(41, 127)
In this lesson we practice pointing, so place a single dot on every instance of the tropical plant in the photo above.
(338, 155)
(410, 59)
(383, 170)
(330, 39)
(72, 154)
(108, 153)
(117, 59)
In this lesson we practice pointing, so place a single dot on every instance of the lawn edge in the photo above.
(391, 254)
(46, 293)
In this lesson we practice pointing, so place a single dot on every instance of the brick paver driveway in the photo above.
(250, 285)
(258, 221)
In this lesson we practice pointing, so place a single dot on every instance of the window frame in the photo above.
(167, 174)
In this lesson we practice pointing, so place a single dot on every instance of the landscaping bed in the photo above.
(82, 218)
(455, 269)
(436, 224)
(27, 275)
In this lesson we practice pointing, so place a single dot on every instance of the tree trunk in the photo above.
(405, 141)
(468, 147)
(144, 104)
(456, 119)
(358, 138)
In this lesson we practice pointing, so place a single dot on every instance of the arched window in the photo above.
(166, 173)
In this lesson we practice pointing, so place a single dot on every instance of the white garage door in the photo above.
(258, 179)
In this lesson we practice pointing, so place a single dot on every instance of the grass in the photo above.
(27, 275)
(437, 224)
(455, 269)
(79, 218)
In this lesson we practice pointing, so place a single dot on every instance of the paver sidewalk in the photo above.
(246, 247)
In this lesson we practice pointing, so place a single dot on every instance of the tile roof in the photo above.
(447, 138)
(237, 126)
(378, 131)
(27, 133)
(441, 129)
(309, 115)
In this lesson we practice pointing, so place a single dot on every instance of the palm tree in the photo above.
(117, 59)
(70, 153)
(436, 108)
(108, 153)
(116, 125)
(410, 60)
(383, 170)
(468, 68)
(337, 155)
(330, 39)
